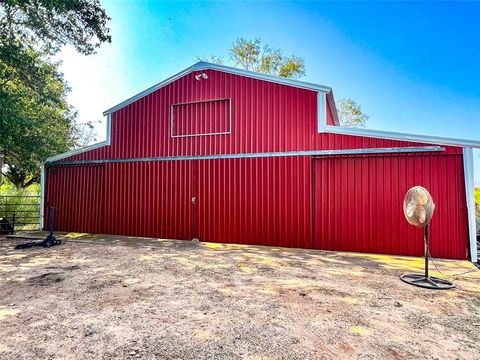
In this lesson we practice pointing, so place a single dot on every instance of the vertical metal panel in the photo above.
(209, 117)
(265, 117)
(264, 201)
(151, 199)
(261, 200)
(353, 204)
(359, 204)
(76, 192)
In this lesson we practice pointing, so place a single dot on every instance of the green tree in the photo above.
(50, 24)
(350, 114)
(252, 55)
(35, 118)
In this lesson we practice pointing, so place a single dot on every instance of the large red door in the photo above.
(358, 204)
(151, 199)
(257, 201)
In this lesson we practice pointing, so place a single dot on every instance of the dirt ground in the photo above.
(128, 298)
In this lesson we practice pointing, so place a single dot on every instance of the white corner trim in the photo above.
(322, 111)
(469, 191)
(109, 128)
(333, 107)
(100, 144)
(202, 65)
(426, 139)
(42, 195)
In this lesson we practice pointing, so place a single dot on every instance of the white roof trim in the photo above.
(426, 139)
(76, 152)
(202, 65)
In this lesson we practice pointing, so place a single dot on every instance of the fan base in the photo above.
(427, 282)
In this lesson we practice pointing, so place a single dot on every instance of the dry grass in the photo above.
(173, 299)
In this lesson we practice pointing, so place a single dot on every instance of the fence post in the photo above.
(1, 165)
(13, 223)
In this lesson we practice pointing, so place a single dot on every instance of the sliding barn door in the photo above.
(358, 204)
(77, 195)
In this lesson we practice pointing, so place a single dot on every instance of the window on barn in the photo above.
(207, 117)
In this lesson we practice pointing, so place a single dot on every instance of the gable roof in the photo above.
(202, 65)
(327, 91)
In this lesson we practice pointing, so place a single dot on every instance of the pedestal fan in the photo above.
(418, 208)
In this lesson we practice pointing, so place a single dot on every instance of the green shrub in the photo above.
(26, 207)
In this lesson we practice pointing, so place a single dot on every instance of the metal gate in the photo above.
(19, 213)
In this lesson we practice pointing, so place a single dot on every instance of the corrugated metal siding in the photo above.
(256, 201)
(353, 203)
(260, 201)
(149, 199)
(201, 118)
(330, 120)
(138, 199)
(266, 117)
(359, 204)
(77, 193)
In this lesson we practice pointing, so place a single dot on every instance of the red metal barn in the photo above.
(226, 155)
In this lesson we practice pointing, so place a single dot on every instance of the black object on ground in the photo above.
(5, 227)
(49, 241)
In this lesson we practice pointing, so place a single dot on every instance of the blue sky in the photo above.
(413, 67)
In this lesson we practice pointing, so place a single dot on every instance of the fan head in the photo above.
(418, 206)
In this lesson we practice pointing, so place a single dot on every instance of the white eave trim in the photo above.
(347, 152)
(426, 139)
(67, 154)
(227, 69)
(469, 191)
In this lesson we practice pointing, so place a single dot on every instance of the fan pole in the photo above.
(426, 281)
(426, 251)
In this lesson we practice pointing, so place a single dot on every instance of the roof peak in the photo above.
(204, 65)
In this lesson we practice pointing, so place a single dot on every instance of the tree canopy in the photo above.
(350, 114)
(50, 24)
(252, 55)
(35, 119)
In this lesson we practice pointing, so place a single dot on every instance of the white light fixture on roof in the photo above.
(201, 76)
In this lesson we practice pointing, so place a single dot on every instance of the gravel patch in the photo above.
(209, 301)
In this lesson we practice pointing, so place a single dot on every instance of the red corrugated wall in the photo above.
(266, 117)
(270, 201)
(359, 204)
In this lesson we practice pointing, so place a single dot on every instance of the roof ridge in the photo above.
(204, 65)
